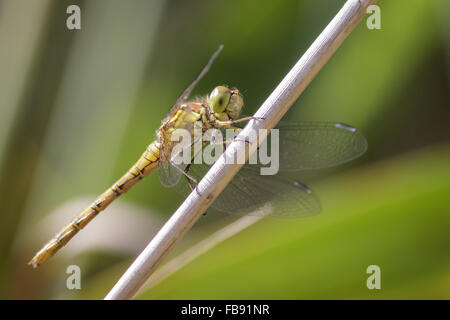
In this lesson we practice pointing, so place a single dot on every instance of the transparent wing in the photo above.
(183, 97)
(302, 146)
(168, 174)
(316, 145)
(249, 193)
(171, 164)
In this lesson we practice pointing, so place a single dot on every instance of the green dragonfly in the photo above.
(303, 146)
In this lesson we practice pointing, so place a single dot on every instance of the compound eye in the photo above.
(219, 98)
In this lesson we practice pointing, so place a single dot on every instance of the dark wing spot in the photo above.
(345, 127)
(302, 187)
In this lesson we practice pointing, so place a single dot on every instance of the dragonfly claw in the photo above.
(258, 118)
(197, 190)
(243, 140)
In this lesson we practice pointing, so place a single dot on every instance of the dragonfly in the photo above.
(303, 146)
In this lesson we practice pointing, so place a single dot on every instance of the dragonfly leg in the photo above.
(225, 142)
(243, 140)
(184, 172)
(230, 122)
(191, 180)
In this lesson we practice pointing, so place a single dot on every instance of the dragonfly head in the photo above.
(224, 100)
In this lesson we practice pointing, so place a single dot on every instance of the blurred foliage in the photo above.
(78, 107)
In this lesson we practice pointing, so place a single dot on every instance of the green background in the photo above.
(78, 107)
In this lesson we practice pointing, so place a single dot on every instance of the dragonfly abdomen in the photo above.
(142, 168)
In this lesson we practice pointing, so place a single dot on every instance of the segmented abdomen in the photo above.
(142, 168)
